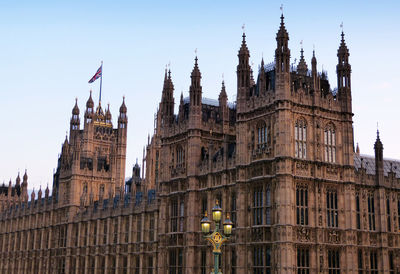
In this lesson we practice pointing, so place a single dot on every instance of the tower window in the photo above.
(358, 218)
(373, 262)
(330, 144)
(332, 208)
(302, 205)
(389, 223)
(333, 262)
(262, 134)
(371, 211)
(261, 259)
(300, 133)
(303, 261)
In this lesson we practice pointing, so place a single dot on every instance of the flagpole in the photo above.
(101, 80)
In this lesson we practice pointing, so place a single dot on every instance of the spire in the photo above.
(222, 95)
(75, 110)
(343, 70)
(40, 192)
(378, 159)
(90, 103)
(358, 150)
(282, 52)
(244, 51)
(123, 108)
(25, 178)
(195, 88)
(302, 68)
(17, 180)
(46, 192)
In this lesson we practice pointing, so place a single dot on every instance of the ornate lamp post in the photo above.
(216, 238)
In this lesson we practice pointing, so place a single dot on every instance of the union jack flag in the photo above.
(96, 75)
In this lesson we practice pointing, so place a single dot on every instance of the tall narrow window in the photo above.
(303, 261)
(398, 211)
(268, 206)
(139, 229)
(180, 156)
(330, 144)
(233, 261)
(258, 206)
(358, 216)
(151, 230)
(391, 263)
(388, 220)
(203, 261)
(302, 205)
(262, 134)
(300, 133)
(181, 216)
(176, 261)
(360, 262)
(333, 262)
(332, 208)
(373, 262)
(261, 260)
(174, 216)
(233, 208)
(371, 211)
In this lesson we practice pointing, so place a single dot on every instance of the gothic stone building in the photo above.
(281, 160)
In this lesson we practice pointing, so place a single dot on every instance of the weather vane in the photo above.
(222, 76)
(281, 8)
(243, 27)
(301, 43)
(341, 26)
(195, 51)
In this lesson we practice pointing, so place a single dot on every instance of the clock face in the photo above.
(217, 238)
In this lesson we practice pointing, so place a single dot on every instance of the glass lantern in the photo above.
(227, 226)
(205, 224)
(217, 212)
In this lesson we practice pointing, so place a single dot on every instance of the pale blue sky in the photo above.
(50, 49)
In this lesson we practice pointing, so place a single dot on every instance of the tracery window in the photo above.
(302, 205)
(389, 223)
(371, 211)
(360, 262)
(262, 260)
(373, 262)
(332, 208)
(174, 215)
(180, 157)
(233, 208)
(303, 261)
(176, 261)
(300, 133)
(333, 262)
(358, 215)
(262, 135)
(262, 205)
(330, 144)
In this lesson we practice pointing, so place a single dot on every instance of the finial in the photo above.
(123, 98)
(313, 50)
(136, 160)
(301, 51)
(76, 100)
(377, 130)
(281, 8)
(222, 77)
(244, 32)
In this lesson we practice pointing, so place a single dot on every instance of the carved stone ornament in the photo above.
(303, 234)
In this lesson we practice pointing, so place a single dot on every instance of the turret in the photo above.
(108, 116)
(89, 113)
(24, 185)
(122, 119)
(75, 121)
(314, 71)
(195, 94)
(167, 100)
(223, 104)
(18, 185)
(343, 70)
(243, 72)
(378, 146)
(282, 52)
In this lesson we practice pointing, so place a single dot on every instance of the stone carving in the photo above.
(303, 234)
(334, 237)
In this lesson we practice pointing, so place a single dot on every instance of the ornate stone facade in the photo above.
(280, 160)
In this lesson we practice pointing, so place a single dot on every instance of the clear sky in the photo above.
(50, 49)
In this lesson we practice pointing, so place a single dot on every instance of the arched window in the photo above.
(300, 133)
(180, 156)
(330, 144)
(262, 135)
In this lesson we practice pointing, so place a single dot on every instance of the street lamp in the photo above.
(216, 238)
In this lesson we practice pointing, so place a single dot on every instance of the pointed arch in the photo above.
(262, 134)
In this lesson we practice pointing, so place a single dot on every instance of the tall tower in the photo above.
(92, 161)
